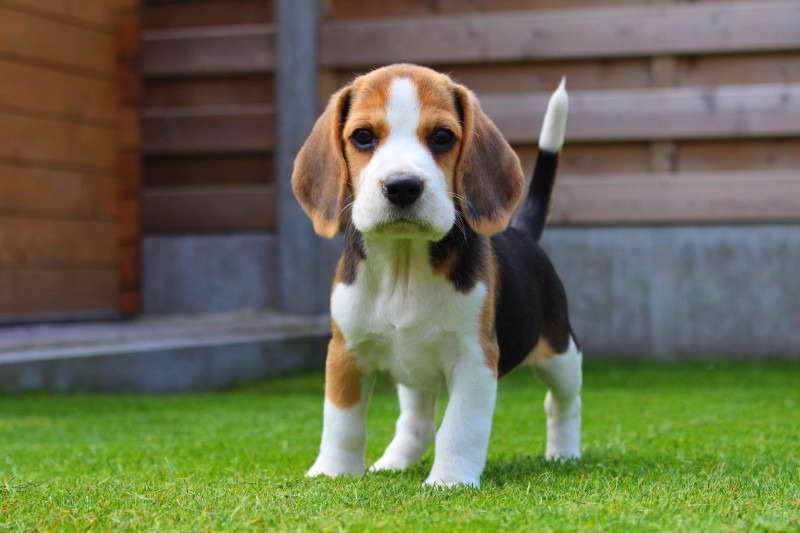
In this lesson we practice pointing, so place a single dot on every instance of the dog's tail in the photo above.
(533, 214)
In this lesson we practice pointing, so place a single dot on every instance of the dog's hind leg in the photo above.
(562, 405)
(414, 432)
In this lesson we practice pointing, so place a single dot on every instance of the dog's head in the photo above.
(406, 151)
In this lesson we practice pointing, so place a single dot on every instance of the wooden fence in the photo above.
(681, 112)
(68, 159)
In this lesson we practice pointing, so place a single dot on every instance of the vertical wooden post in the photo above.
(128, 157)
(303, 283)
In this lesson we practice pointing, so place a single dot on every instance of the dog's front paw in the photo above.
(342, 465)
(562, 455)
(395, 463)
(446, 481)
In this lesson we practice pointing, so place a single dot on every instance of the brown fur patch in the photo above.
(319, 178)
(541, 352)
(342, 376)
(491, 351)
(489, 180)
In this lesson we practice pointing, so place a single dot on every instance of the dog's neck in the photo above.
(460, 257)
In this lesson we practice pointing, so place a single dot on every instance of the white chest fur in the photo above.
(401, 317)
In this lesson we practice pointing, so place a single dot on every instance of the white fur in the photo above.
(402, 318)
(401, 152)
(554, 126)
(344, 437)
(562, 404)
(463, 440)
(414, 430)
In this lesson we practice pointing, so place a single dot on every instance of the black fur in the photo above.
(533, 213)
(467, 251)
(530, 300)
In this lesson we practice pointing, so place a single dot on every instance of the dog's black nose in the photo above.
(403, 190)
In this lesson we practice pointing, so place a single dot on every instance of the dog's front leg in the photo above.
(344, 433)
(463, 438)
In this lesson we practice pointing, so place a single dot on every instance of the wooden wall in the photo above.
(68, 145)
(208, 116)
(681, 111)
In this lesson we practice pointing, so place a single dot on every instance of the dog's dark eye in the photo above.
(363, 139)
(441, 140)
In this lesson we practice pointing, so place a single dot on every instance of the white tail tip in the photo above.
(551, 139)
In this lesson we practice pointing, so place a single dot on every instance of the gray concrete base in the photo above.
(682, 292)
(208, 273)
(163, 354)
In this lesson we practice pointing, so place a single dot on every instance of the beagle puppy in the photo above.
(436, 284)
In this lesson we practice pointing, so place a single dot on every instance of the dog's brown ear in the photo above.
(320, 176)
(488, 179)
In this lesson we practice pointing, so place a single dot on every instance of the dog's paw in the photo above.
(392, 463)
(444, 482)
(335, 467)
(562, 455)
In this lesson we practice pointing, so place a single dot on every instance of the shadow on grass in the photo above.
(526, 469)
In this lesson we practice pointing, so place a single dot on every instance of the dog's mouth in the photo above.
(406, 228)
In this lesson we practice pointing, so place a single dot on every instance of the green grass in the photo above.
(689, 447)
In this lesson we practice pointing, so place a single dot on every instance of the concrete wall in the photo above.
(673, 292)
(187, 369)
(217, 273)
(682, 292)
(208, 273)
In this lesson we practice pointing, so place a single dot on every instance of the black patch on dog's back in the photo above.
(531, 301)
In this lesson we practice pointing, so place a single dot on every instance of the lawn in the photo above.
(683, 447)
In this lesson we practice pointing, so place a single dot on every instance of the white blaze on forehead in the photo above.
(402, 108)
(402, 152)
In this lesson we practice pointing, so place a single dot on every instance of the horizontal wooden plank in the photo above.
(533, 76)
(677, 198)
(243, 49)
(680, 113)
(468, 6)
(34, 87)
(583, 33)
(358, 9)
(206, 13)
(36, 38)
(739, 154)
(739, 69)
(593, 158)
(56, 141)
(208, 209)
(235, 169)
(208, 130)
(96, 13)
(31, 190)
(39, 241)
(52, 293)
(184, 92)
